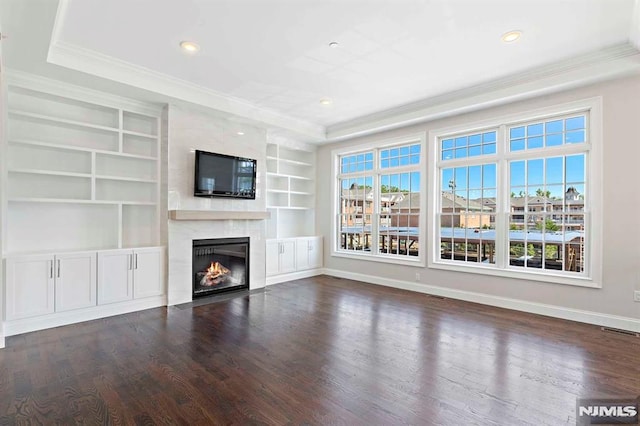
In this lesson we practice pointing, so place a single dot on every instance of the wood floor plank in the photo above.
(319, 351)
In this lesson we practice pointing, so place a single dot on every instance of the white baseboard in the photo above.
(58, 319)
(276, 279)
(179, 298)
(589, 317)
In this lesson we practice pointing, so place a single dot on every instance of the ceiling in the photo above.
(272, 59)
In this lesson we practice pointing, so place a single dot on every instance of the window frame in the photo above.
(376, 147)
(593, 190)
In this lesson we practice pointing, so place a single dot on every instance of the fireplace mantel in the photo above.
(217, 215)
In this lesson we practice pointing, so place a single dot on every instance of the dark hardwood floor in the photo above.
(315, 351)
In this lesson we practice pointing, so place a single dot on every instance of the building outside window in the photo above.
(379, 212)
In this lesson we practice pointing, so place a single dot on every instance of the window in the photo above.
(516, 197)
(379, 202)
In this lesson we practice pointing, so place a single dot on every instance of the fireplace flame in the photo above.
(214, 274)
(216, 269)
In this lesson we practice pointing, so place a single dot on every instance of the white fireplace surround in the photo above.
(181, 236)
(193, 218)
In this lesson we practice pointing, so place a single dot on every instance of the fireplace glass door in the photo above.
(220, 265)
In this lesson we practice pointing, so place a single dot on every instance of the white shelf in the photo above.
(290, 189)
(79, 201)
(142, 135)
(127, 179)
(289, 176)
(61, 121)
(81, 174)
(76, 148)
(297, 162)
(289, 208)
(49, 172)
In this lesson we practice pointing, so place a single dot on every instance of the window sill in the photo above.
(416, 261)
(579, 281)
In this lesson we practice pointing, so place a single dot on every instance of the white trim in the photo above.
(593, 187)
(43, 322)
(38, 83)
(589, 317)
(375, 146)
(3, 189)
(384, 258)
(616, 61)
(634, 33)
(276, 279)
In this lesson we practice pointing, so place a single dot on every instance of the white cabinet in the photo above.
(115, 276)
(308, 253)
(281, 256)
(44, 284)
(293, 254)
(287, 256)
(148, 272)
(75, 281)
(130, 274)
(29, 286)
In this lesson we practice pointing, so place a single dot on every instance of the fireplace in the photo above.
(220, 265)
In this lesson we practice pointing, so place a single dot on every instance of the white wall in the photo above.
(621, 242)
(3, 188)
(189, 129)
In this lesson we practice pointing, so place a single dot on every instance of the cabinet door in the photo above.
(287, 256)
(148, 272)
(315, 252)
(75, 277)
(273, 257)
(29, 286)
(115, 276)
(302, 254)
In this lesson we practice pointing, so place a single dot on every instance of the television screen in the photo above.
(219, 175)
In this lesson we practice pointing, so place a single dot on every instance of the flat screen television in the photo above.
(219, 175)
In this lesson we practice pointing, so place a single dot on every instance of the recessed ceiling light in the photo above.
(511, 36)
(326, 101)
(189, 46)
(333, 44)
(241, 133)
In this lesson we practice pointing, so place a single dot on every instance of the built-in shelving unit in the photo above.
(290, 191)
(83, 172)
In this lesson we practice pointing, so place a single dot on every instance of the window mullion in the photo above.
(375, 218)
(503, 201)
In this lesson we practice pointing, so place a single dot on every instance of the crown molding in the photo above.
(24, 80)
(91, 62)
(613, 62)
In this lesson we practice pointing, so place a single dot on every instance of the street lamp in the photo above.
(452, 185)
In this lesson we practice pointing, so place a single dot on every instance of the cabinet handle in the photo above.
(58, 268)
(136, 255)
(129, 261)
(51, 269)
